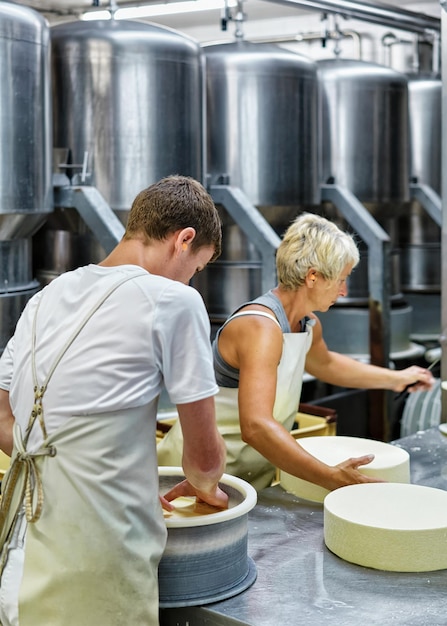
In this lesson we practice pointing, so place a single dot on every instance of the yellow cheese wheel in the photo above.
(390, 463)
(388, 526)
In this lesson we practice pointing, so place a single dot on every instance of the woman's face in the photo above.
(327, 292)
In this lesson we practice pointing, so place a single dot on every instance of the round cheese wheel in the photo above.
(388, 526)
(390, 463)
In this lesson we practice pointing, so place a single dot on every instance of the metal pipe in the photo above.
(376, 13)
(299, 37)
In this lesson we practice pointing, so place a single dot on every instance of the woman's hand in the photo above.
(347, 473)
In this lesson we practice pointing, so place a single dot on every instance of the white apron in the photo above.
(95, 529)
(242, 460)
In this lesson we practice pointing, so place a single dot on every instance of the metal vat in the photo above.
(25, 154)
(419, 235)
(365, 148)
(129, 94)
(262, 137)
(364, 136)
(25, 121)
(262, 122)
(424, 94)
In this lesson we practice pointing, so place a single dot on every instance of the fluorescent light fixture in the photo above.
(96, 15)
(153, 10)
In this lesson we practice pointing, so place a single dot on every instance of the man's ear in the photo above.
(184, 238)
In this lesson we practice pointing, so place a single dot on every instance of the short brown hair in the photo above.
(174, 203)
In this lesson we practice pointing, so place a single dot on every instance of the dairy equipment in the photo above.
(25, 153)
(130, 95)
(364, 130)
(419, 227)
(365, 149)
(419, 230)
(262, 131)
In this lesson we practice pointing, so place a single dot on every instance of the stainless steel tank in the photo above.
(424, 93)
(364, 118)
(130, 96)
(419, 235)
(25, 121)
(365, 148)
(262, 122)
(25, 153)
(262, 137)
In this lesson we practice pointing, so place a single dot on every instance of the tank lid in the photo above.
(23, 24)
(267, 52)
(358, 70)
(115, 29)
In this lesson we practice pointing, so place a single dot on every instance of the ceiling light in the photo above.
(153, 10)
(96, 15)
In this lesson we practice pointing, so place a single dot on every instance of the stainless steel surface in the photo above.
(364, 134)
(64, 243)
(260, 276)
(12, 304)
(419, 229)
(301, 582)
(95, 212)
(379, 253)
(15, 265)
(430, 200)
(262, 122)
(426, 317)
(25, 121)
(129, 94)
(262, 131)
(443, 335)
(422, 410)
(374, 12)
(346, 330)
(16, 284)
(424, 100)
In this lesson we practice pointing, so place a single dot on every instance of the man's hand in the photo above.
(215, 497)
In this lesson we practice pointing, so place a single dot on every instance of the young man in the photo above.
(82, 530)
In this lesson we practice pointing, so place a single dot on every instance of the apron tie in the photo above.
(24, 466)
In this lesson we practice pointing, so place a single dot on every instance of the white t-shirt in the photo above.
(151, 332)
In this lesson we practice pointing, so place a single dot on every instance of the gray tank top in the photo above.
(227, 376)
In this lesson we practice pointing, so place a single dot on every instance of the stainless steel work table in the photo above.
(301, 583)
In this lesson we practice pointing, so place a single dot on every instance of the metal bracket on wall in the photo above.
(379, 280)
(254, 226)
(95, 212)
(429, 200)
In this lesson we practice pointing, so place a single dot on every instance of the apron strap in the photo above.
(23, 481)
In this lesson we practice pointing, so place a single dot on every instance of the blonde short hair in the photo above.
(313, 242)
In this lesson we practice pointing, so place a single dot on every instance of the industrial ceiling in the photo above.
(255, 9)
